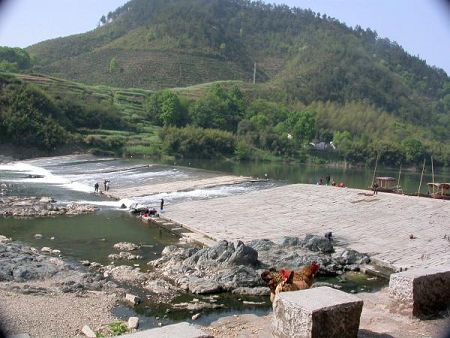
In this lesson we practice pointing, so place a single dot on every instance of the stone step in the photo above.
(181, 330)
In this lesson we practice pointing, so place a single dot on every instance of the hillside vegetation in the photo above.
(317, 80)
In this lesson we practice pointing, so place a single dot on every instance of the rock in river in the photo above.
(40, 207)
(229, 266)
(125, 246)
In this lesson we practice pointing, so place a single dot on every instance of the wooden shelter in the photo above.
(387, 184)
(439, 190)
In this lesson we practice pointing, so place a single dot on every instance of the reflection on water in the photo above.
(90, 237)
(310, 174)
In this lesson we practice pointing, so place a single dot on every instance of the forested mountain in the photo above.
(364, 92)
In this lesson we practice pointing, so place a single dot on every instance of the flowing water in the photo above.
(91, 237)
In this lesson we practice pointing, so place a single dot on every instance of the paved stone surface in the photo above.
(380, 226)
(317, 312)
(181, 330)
(421, 291)
(182, 185)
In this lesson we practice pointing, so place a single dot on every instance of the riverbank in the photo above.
(45, 296)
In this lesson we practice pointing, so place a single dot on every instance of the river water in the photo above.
(91, 237)
(72, 178)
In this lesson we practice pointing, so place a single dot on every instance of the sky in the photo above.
(421, 27)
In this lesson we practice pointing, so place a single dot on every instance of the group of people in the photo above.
(105, 185)
(152, 212)
(327, 181)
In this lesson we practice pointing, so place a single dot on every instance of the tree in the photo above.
(302, 125)
(343, 141)
(14, 59)
(172, 111)
(113, 65)
(166, 109)
(413, 149)
(219, 109)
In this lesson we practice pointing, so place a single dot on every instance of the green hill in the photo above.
(364, 92)
(162, 44)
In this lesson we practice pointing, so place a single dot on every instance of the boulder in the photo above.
(317, 243)
(203, 286)
(87, 331)
(243, 255)
(46, 249)
(350, 257)
(46, 200)
(134, 300)
(290, 241)
(225, 254)
(133, 323)
(125, 274)
(238, 276)
(125, 246)
(4, 239)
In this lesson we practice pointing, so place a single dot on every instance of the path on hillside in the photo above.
(378, 225)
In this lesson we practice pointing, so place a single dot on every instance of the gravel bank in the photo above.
(54, 314)
(45, 296)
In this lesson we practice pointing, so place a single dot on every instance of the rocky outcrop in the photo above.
(237, 266)
(21, 263)
(40, 207)
(225, 266)
(148, 283)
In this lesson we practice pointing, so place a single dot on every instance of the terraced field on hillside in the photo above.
(146, 69)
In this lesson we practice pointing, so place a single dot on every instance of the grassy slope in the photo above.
(143, 142)
(300, 56)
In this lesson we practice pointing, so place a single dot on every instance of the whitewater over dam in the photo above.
(72, 178)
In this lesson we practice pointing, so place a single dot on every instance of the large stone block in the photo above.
(318, 312)
(421, 292)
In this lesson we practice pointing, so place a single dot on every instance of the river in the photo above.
(91, 237)
(71, 179)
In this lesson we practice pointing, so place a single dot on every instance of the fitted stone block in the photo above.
(421, 292)
(318, 312)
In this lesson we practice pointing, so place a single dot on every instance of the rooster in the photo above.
(283, 280)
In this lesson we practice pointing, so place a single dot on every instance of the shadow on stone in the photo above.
(370, 334)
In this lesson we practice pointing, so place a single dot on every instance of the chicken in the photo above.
(283, 280)
(272, 278)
